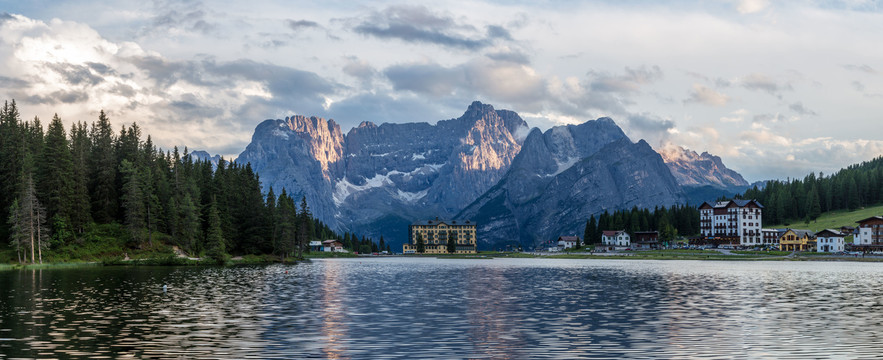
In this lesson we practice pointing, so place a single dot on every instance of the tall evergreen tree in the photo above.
(421, 247)
(133, 201)
(214, 239)
(103, 171)
(80, 211)
(305, 226)
(452, 242)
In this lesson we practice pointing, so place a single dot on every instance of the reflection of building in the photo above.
(567, 242)
(646, 240)
(435, 235)
(731, 222)
(615, 238)
(797, 240)
(829, 240)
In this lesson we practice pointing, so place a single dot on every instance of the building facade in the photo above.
(731, 222)
(830, 240)
(567, 242)
(797, 240)
(645, 240)
(613, 238)
(869, 231)
(435, 234)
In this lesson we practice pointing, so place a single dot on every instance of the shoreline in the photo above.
(634, 255)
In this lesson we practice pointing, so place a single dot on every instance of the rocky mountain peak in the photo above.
(692, 169)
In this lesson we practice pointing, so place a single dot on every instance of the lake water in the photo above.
(448, 308)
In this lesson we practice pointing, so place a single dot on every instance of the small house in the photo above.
(332, 246)
(646, 240)
(567, 242)
(315, 245)
(830, 240)
(797, 240)
(615, 238)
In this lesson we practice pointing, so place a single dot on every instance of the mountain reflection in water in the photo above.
(447, 308)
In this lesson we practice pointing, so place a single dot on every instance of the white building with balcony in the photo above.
(731, 222)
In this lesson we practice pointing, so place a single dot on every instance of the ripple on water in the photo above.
(402, 308)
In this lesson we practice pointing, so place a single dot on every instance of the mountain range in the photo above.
(521, 185)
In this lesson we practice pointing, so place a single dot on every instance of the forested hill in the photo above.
(800, 200)
(59, 189)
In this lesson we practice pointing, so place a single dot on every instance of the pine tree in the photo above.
(214, 238)
(421, 247)
(452, 242)
(32, 220)
(286, 225)
(133, 201)
(55, 170)
(305, 226)
(18, 234)
(102, 169)
(589, 233)
(80, 211)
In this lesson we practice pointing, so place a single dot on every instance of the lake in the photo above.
(448, 308)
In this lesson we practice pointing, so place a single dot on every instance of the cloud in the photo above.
(630, 81)
(179, 18)
(751, 6)
(860, 68)
(359, 69)
(800, 109)
(502, 81)
(513, 56)
(298, 25)
(419, 24)
(704, 95)
(200, 102)
(649, 122)
(761, 82)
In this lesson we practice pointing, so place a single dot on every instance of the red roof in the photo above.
(612, 232)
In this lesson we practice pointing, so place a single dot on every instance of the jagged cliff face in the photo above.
(302, 155)
(377, 179)
(522, 186)
(565, 175)
(692, 169)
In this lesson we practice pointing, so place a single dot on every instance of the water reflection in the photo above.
(431, 308)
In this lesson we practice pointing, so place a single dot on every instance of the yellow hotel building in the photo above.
(797, 240)
(435, 236)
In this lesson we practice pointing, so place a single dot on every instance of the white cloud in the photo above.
(752, 6)
(704, 95)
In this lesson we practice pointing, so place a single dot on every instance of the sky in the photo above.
(777, 89)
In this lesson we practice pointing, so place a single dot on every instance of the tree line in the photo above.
(806, 199)
(57, 186)
(669, 221)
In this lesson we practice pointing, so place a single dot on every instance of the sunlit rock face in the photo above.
(692, 169)
(521, 185)
(562, 177)
(376, 179)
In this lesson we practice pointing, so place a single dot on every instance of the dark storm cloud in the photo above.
(282, 81)
(381, 107)
(421, 25)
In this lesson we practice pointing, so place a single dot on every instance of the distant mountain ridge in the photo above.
(487, 164)
(692, 169)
